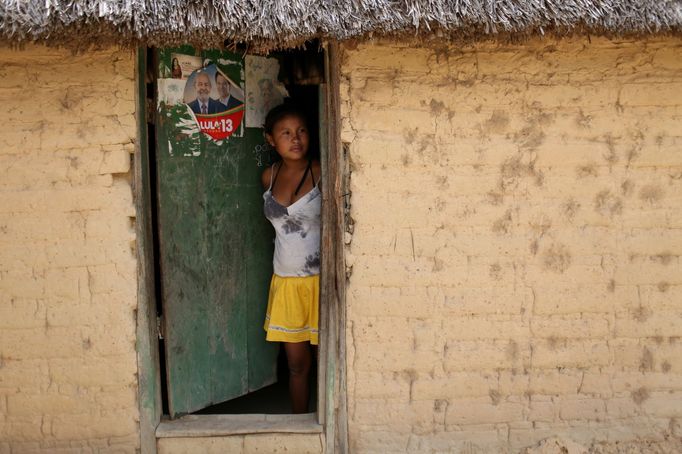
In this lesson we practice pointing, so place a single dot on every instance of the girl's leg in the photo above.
(298, 359)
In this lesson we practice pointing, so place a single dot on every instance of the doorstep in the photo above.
(221, 425)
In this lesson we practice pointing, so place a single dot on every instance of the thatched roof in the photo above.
(283, 23)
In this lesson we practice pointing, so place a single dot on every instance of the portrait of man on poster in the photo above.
(204, 104)
(225, 98)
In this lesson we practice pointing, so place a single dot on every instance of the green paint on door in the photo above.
(215, 254)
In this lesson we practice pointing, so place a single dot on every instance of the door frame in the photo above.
(332, 404)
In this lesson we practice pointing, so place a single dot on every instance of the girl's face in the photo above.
(290, 137)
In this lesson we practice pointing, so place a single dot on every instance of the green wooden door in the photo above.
(215, 246)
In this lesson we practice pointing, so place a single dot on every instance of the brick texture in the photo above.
(515, 253)
(244, 444)
(67, 263)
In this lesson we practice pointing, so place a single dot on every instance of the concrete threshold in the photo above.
(217, 425)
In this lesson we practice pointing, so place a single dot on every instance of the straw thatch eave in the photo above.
(285, 23)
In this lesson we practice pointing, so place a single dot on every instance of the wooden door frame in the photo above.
(147, 342)
(332, 404)
(332, 411)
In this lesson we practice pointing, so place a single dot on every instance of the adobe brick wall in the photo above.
(515, 257)
(67, 254)
(244, 444)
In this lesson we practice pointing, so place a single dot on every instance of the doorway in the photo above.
(212, 356)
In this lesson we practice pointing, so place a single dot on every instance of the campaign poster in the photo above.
(182, 65)
(216, 102)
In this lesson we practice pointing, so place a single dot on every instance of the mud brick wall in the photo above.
(515, 252)
(67, 253)
(244, 444)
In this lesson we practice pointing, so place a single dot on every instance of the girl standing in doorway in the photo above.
(292, 203)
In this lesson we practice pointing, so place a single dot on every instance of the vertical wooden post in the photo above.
(323, 347)
(149, 380)
(333, 273)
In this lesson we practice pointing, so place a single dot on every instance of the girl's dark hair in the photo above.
(283, 110)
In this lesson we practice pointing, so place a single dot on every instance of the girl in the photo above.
(292, 203)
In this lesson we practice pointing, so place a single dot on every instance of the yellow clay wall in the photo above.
(515, 251)
(67, 252)
(244, 444)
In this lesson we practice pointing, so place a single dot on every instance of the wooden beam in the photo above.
(333, 273)
(323, 347)
(223, 425)
(149, 379)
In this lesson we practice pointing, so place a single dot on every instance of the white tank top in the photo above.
(297, 231)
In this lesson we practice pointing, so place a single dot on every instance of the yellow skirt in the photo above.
(293, 308)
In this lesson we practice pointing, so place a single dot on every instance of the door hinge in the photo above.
(159, 326)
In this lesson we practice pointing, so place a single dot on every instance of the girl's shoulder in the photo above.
(266, 175)
(317, 170)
